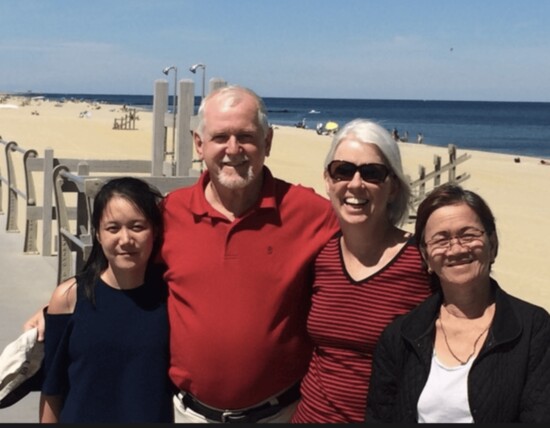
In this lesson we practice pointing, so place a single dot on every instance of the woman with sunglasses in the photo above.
(365, 276)
(471, 352)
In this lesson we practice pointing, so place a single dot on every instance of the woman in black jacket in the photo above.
(471, 352)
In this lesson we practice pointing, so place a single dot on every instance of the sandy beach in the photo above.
(518, 192)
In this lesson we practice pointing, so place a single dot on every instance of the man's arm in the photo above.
(38, 321)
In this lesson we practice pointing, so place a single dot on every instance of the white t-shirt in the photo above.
(444, 398)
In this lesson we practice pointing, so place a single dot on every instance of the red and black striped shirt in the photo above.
(345, 322)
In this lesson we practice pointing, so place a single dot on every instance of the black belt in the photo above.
(252, 414)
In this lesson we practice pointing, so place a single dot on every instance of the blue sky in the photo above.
(495, 50)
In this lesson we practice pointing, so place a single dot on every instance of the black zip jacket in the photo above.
(509, 381)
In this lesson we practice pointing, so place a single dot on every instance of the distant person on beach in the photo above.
(239, 248)
(420, 138)
(369, 272)
(301, 124)
(319, 128)
(106, 345)
(395, 134)
(471, 353)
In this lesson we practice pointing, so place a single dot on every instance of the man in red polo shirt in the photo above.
(239, 248)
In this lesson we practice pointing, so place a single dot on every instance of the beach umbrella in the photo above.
(331, 126)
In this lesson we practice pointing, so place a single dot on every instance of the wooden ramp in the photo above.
(26, 283)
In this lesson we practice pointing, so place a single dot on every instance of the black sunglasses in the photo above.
(370, 172)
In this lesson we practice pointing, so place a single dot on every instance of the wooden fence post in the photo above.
(437, 168)
(422, 187)
(160, 106)
(452, 162)
(184, 140)
(47, 202)
(13, 207)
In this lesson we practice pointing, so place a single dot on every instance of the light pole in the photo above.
(193, 69)
(174, 108)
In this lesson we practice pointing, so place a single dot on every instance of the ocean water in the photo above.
(502, 127)
(518, 128)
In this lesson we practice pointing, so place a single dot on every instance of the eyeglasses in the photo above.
(466, 238)
(370, 172)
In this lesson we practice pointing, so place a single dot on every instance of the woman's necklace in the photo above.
(462, 363)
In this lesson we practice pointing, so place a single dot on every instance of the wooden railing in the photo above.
(426, 182)
(45, 213)
(14, 192)
(128, 121)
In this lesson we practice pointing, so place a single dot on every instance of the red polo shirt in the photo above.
(240, 291)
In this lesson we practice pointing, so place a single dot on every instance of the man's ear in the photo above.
(198, 145)
(268, 141)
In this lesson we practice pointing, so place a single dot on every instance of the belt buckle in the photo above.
(228, 416)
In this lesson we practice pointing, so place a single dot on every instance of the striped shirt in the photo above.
(345, 322)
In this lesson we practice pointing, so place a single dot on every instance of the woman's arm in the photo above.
(382, 393)
(535, 403)
(62, 301)
(50, 408)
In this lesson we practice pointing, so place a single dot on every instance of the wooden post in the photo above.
(65, 266)
(133, 115)
(160, 106)
(31, 222)
(2, 178)
(47, 203)
(216, 83)
(184, 140)
(437, 168)
(452, 162)
(13, 204)
(421, 176)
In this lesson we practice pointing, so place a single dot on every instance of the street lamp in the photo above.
(166, 70)
(193, 69)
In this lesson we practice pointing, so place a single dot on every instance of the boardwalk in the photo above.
(26, 283)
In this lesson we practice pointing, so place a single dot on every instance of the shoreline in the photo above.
(507, 141)
(517, 192)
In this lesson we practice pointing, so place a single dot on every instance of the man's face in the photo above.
(233, 145)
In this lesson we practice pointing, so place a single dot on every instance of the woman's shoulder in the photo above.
(522, 307)
(408, 238)
(63, 298)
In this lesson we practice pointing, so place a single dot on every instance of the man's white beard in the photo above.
(234, 181)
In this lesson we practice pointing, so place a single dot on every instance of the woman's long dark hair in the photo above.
(145, 198)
